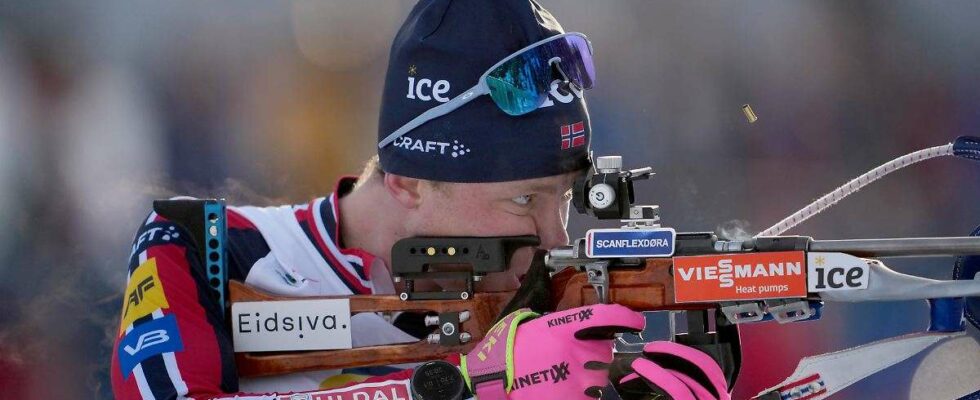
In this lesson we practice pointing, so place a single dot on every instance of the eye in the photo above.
(523, 199)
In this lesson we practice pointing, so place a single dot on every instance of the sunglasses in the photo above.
(520, 83)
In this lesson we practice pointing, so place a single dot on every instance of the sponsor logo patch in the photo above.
(494, 335)
(154, 337)
(144, 294)
(745, 276)
(614, 243)
(391, 390)
(155, 233)
(555, 374)
(322, 324)
(454, 149)
(583, 315)
(836, 271)
(426, 89)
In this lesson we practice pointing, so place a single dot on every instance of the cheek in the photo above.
(468, 218)
(521, 261)
(451, 217)
(508, 280)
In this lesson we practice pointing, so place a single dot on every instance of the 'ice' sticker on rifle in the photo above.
(835, 271)
(613, 243)
(322, 324)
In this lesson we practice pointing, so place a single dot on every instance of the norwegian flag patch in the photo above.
(572, 135)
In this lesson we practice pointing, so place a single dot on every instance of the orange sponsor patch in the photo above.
(743, 276)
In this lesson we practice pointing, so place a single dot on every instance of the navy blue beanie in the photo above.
(441, 51)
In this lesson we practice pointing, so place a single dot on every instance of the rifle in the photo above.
(720, 282)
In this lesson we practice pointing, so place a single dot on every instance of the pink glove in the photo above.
(678, 371)
(562, 355)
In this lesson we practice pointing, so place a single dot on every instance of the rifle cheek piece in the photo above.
(420, 258)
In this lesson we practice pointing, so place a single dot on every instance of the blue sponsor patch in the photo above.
(612, 243)
(146, 340)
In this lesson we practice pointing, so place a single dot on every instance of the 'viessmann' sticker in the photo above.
(614, 243)
(745, 276)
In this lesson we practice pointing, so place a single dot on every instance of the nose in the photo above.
(551, 229)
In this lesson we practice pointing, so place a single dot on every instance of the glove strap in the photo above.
(487, 364)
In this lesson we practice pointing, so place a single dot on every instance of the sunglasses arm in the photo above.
(436, 112)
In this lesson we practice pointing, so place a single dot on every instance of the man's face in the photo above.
(529, 207)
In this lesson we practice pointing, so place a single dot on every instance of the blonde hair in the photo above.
(372, 170)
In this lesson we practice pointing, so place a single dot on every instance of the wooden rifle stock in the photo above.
(650, 288)
(642, 289)
(483, 308)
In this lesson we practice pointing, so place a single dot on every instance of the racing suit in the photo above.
(173, 342)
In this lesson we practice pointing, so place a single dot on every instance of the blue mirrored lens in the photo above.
(520, 85)
(576, 60)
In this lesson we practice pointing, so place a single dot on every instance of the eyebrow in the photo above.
(540, 187)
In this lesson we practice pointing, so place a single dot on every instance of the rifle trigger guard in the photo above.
(598, 276)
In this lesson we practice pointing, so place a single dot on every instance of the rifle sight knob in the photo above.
(609, 164)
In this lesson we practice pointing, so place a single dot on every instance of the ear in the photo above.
(404, 190)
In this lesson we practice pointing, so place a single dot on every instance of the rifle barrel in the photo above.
(895, 247)
(926, 246)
